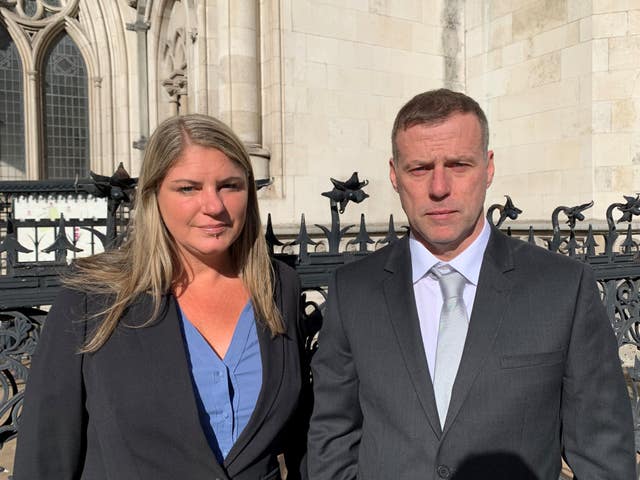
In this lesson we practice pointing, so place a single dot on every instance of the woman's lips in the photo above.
(216, 229)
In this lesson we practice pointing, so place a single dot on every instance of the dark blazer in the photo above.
(128, 411)
(539, 376)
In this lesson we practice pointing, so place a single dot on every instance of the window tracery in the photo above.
(48, 77)
(12, 154)
(175, 60)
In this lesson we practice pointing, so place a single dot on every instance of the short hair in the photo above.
(434, 107)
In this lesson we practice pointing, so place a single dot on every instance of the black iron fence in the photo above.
(44, 225)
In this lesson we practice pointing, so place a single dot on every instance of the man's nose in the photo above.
(439, 183)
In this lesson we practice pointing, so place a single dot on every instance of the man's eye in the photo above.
(459, 165)
(420, 171)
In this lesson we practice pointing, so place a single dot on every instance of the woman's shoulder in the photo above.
(70, 295)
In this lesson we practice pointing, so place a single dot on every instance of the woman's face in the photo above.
(203, 203)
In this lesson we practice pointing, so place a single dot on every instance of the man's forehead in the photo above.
(467, 117)
(451, 130)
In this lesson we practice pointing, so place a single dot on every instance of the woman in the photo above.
(177, 355)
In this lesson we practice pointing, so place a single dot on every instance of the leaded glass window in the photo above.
(12, 140)
(66, 121)
(30, 7)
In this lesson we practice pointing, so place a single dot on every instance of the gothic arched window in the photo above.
(65, 113)
(12, 135)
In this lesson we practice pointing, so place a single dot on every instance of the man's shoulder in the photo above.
(284, 272)
(527, 254)
(371, 263)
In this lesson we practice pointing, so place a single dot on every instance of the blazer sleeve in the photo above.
(52, 434)
(336, 422)
(597, 426)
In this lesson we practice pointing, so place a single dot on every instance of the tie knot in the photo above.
(451, 283)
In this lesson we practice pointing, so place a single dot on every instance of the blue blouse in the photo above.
(226, 389)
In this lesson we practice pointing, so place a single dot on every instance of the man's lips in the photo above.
(440, 212)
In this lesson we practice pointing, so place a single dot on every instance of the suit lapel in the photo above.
(403, 315)
(488, 309)
(272, 355)
(168, 370)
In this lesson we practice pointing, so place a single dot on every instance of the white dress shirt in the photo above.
(427, 289)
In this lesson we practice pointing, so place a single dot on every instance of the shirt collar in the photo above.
(468, 262)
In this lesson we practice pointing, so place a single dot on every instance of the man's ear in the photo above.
(490, 168)
(392, 174)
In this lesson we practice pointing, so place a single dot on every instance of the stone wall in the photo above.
(346, 67)
(312, 87)
(559, 81)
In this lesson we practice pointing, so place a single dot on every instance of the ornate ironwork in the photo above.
(617, 271)
(19, 333)
(614, 258)
(34, 282)
(508, 210)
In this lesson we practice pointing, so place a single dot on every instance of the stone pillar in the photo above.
(32, 146)
(240, 85)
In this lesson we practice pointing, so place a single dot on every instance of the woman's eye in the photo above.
(186, 189)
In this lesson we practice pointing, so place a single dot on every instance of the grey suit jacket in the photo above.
(128, 411)
(539, 376)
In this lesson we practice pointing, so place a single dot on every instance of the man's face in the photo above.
(442, 175)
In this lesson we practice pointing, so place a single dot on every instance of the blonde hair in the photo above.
(148, 261)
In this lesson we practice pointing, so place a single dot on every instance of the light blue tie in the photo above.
(452, 333)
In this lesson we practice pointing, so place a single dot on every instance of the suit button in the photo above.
(443, 471)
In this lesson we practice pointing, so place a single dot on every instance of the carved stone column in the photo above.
(240, 85)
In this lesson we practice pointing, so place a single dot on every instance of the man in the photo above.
(458, 352)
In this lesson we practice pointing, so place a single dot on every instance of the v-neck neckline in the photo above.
(238, 341)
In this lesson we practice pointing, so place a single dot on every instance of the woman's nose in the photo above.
(211, 201)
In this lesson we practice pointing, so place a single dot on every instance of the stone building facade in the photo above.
(312, 87)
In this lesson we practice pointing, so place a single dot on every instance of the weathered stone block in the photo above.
(475, 42)
(348, 131)
(427, 38)
(611, 149)
(577, 9)
(609, 24)
(600, 55)
(406, 9)
(609, 6)
(624, 52)
(601, 122)
(514, 53)
(321, 19)
(381, 30)
(576, 60)
(500, 32)
(474, 12)
(613, 85)
(545, 69)
(538, 17)
(625, 115)
(555, 39)
(634, 22)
